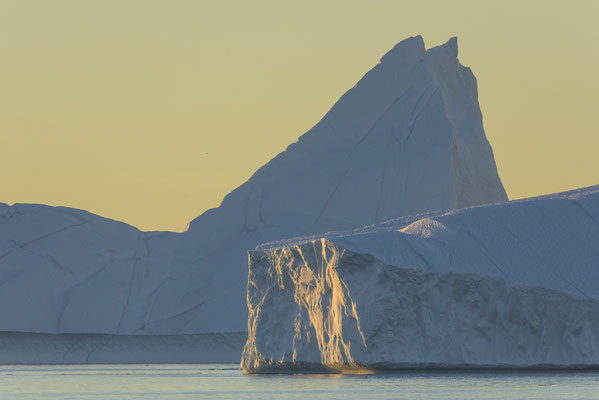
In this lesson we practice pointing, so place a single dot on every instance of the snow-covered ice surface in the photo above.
(73, 348)
(503, 285)
(407, 138)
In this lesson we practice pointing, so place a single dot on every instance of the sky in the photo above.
(150, 112)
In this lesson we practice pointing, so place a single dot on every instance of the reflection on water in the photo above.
(226, 381)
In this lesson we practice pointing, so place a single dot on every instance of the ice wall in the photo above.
(512, 285)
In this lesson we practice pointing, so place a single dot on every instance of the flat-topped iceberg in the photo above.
(407, 138)
(505, 285)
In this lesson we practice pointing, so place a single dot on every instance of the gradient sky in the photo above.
(149, 112)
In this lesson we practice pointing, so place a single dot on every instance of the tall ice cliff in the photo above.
(407, 138)
(503, 285)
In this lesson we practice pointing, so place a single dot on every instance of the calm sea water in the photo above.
(226, 381)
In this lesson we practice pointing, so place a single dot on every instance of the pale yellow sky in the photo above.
(150, 112)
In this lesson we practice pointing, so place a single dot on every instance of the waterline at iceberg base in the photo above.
(502, 286)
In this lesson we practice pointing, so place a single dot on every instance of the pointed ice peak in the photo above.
(415, 45)
(450, 48)
(452, 45)
(409, 45)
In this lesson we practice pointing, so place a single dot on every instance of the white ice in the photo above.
(504, 285)
(407, 138)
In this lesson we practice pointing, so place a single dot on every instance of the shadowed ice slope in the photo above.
(407, 138)
(513, 284)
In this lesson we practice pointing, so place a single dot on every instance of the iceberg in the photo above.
(408, 138)
(506, 285)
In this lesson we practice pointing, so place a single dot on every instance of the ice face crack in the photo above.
(30, 242)
(131, 279)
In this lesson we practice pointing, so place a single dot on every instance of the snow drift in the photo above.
(509, 285)
(407, 138)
